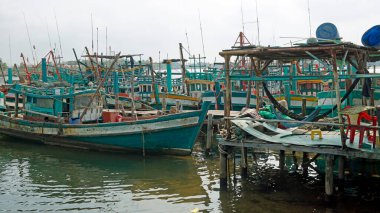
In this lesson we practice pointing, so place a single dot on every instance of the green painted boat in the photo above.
(53, 116)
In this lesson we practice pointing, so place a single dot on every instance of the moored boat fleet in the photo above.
(123, 103)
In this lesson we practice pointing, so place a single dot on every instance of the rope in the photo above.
(283, 110)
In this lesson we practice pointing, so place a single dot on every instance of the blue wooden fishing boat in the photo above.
(65, 116)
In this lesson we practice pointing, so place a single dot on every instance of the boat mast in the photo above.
(258, 26)
(184, 85)
(59, 39)
(153, 81)
(203, 44)
(308, 9)
(30, 42)
(101, 83)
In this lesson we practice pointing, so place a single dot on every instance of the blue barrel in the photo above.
(74, 121)
(371, 38)
(327, 31)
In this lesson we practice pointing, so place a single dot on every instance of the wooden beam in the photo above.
(337, 94)
(228, 92)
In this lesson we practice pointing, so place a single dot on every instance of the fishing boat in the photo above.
(70, 117)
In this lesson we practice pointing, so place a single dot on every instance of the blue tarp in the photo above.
(371, 38)
(327, 31)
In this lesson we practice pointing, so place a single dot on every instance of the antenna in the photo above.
(59, 37)
(10, 49)
(242, 16)
(159, 61)
(97, 41)
(200, 25)
(47, 29)
(92, 34)
(308, 9)
(188, 45)
(106, 41)
(30, 43)
(258, 27)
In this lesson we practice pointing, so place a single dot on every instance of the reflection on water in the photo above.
(37, 177)
(44, 178)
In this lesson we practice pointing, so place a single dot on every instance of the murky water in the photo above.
(45, 178)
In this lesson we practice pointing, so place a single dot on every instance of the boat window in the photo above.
(204, 87)
(66, 105)
(44, 103)
(82, 101)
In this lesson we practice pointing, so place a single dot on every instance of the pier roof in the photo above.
(322, 51)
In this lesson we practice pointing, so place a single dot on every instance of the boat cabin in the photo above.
(52, 104)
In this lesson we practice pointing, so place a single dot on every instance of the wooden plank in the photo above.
(259, 144)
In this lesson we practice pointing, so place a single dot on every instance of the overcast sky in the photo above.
(150, 26)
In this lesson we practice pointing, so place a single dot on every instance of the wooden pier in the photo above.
(260, 58)
(332, 155)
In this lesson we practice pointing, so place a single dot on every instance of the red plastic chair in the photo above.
(356, 120)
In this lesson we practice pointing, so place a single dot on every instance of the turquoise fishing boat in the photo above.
(65, 116)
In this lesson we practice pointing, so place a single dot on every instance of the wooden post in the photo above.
(305, 167)
(2, 72)
(133, 107)
(341, 173)
(303, 106)
(257, 83)
(183, 71)
(209, 133)
(16, 105)
(227, 103)
(348, 84)
(337, 91)
(329, 177)
(249, 89)
(155, 94)
(223, 168)
(282, 161)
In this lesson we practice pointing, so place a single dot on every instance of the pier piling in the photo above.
(341, 161)
(223, 167)
(305, 167)
(329, 177)
(209, 133)
(282, 161)
(244, 162)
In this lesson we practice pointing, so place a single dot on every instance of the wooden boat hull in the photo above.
(169, 134)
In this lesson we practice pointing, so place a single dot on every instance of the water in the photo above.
(45, 178)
